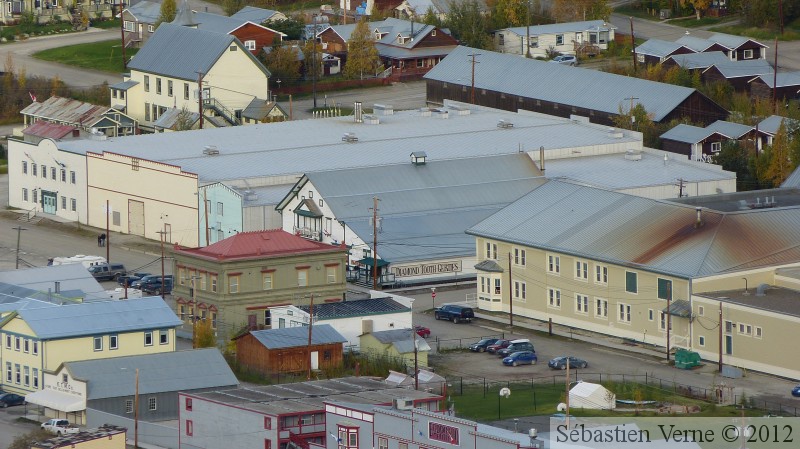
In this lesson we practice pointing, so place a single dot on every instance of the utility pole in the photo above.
(108, 233)
(510, 295)
(375, 242)
(472, 94)
(122, 34)
(314, 63)
(205, 208)
(528, 32)
(775, 76)
(162, 234)
(414, 342)
(681, 184)
(19, 232)
(200, 97)
(566, 393)
(780, 15)
(310, 328)
(136, 413)
(633, 45)
(194, 312)
(669, 315)
(719, 367)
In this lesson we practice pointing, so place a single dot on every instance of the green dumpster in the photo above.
(685, 359)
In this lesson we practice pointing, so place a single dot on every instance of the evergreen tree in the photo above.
(168, 10)
(780, 165)
(468, 24)
(362, 56)
(284, 64)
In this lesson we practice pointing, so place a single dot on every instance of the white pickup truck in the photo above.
(59, 427)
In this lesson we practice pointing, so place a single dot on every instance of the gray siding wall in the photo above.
(166, 406)
(149, 433)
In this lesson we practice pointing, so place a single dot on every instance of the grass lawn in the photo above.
(692, 22)
(642, 13)
(106, 24)
(790, 32)
(105, 55)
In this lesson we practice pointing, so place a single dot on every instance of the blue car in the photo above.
(796, 391)
(521, 358)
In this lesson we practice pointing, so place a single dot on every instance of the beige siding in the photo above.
(59, 351)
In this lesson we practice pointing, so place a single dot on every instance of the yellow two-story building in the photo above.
(39, 336)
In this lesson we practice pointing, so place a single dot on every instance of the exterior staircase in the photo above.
(220, 109)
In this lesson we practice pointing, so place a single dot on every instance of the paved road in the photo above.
(410, 95)
(788, 52)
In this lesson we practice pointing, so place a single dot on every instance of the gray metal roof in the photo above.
(72, 278)
(158, 373)
(100, 317)
(696, 43)
(291, 337)
(448, 196)
(654, 235)
(771, 124)
(490, 266)
(793, 181)
(363, 307)
(254, 14)
(181, 52)
(584, 88)
(170, 117)
(731, 41)
(217, 23)
(565, 27)
(687, 133)
(615, 172)
(392, 30)
(680, 307)
(730, 129)
(701, 60)
(145, 11)
(401, 340)
(124, 85)
(784, 79)
(658, 48)
(748, 68)
(270, 150)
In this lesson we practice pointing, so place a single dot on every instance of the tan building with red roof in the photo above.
(237, 279)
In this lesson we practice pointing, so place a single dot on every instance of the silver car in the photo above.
(570, 60)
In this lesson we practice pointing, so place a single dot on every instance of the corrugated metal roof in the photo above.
(67, 110)
(784, 79)
(291, 337)
(254, 14)
(401, 340)
(124, 85)
(656, 235)
(158, 373)
(680, 307)
(181, 52)
(100, 317)
(687, 133)
(259, 109)
(145, 11)
(771, 124)
(565, 27)
(217, 23)
(749, 68)
(48, 130)
(170, 117)
(793, 180)
(699, 60)
(590, 89)
(71, 277)
(730, 129)
(658, 48)
(731, 41)
(490, 266)
(267, 195)
(393, 30)
(362, 307)
(695, 43)
(265, 150)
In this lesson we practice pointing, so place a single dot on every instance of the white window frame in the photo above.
(716, 147)
(581, 304)
(250, 45)
(267, 281)
(163, 337)
(758, 332)
(302, 278)
(553, 298)
(491, 251)
(637, 282)
(233, 284)
(581, 270)
(624, 313)
(148, 338)
(97, 343)
(553, 264)
(747, 53)
(520, 291)
(601, 274)
(152, 404)
(113, 342)
(330, 274)
(601, 312)
(519, 257)
(128, 406)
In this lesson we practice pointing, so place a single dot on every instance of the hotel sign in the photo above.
(450, 266)
(440, 432)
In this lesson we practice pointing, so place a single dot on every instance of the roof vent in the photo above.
(504, 124)
(249, 195)
(699, 220)
(761, 290)
(632, 155)
(383, 109)
(418, 158)
(441, 113)
(349, 137)
(210, 150)
(370, 119)
(425, 112)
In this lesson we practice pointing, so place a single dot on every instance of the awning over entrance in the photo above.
(679, 307)
(369, 261)
(56, 400)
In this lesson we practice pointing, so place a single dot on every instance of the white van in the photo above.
(86, 261)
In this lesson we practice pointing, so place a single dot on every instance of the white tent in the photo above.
(593, 396)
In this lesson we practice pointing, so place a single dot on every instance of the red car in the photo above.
(422, 331)
(498, 345)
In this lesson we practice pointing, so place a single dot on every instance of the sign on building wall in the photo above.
(62, 382)
(451, 266)
(440, 432)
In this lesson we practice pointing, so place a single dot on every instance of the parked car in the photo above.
(422, 331)
(521, 358)
(483, 344)
(148, 280)
(131, 278)
(796, 391)
(498, 345)
(154, 287)
(59, 427)
(454, 313)
(561, 363)
(570, 60)
(11, 399)
(523, 344)
(107, 271)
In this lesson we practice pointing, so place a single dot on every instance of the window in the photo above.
(302, 278)
(559, 39)
(501, 39)
(664, 289)
(554, 264)
(600, 308)
(185, 91)
(267, 423)
(519, 257)
(189, 427)
(151, 404)
(147, 112)
(267, 281)
(491, 251)
(747, 54)
(72, 179)
(267, 443)
(24, 194)
(148, 338)
(147, 83)
(33, 170)
(169, 88)
(128, 406)
(24, 167)
(581, 303)
(233, 284)
(64, 202)
(402, 445)
(624, 313)
(330, 273)
(8, 372)
(701, 340)
(63, 175)
(759, 332)
(650, 314)
(188, 402)
(745, 329)
(35, 350)
(250, 45)
(163, 337)
(631, 282)
(663, 321)
(554, 298)
(383, 443)
(44, 171)
(728, 327)
(232, 48)
(26, 378)
(17, 343)
(581, 270)
(348, 437)
(497, 289)
(202, 281)
(17, 374)
(151, 28)
(520, 291)
(53, 173)
(220, 209)
(601, 274)
(716, 147)
(113, 341)
(158, 86)
(420, 63)
(74, 205)
(214, 283)
(8, 341)
(98, 343)
(36, 378)
(701, 311)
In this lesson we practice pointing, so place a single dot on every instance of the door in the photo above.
(49, 202)
(729, 344)
(135, 217)
(314, 359)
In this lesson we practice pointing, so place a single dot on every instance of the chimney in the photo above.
(666, 159)
(541, 159)
(699, 221)
(358, 112)
(58, 287)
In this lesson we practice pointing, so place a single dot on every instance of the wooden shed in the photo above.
(287, 350)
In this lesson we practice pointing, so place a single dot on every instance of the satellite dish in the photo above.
(562, 407)
(505, 392)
